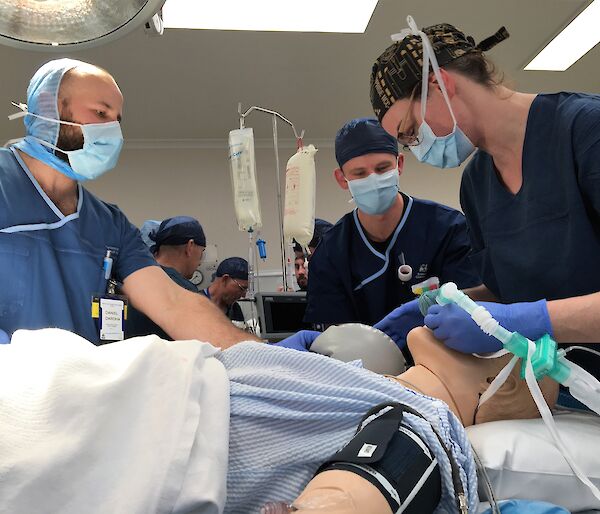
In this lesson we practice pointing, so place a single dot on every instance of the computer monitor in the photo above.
(280, 314)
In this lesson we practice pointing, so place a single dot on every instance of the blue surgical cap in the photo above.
(148, 227)
(235, 267)
(362, 136)
(42, 98)
(178, 231)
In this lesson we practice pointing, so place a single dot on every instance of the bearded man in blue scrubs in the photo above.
(354, 270)
(59, 243)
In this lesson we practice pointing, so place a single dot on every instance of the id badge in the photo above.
(110, 313)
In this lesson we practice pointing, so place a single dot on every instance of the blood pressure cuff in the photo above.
(390, 455)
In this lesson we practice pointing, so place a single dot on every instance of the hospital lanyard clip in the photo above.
(109, 308)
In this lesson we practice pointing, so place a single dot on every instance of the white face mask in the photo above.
(440, 151)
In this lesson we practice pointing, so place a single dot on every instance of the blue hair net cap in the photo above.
(148, 227)
(42, 98)
(361, 136)
(178, 231)
(235, 267)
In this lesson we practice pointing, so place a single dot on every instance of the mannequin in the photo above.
(456, 378)
(459, 379)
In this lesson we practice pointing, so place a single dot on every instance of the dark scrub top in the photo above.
(352, 279)
(543, 241)
(234, 311)
(51, 264)
(139, 324)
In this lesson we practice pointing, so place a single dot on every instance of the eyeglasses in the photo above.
(405, 139)
(242, 288)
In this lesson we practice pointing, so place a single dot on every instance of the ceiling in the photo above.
(186, 84)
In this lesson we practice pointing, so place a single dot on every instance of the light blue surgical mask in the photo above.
(447, 151)
(102, 144)
(376, 193)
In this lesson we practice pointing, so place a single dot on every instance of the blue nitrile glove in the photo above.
(398, 323)
(457, 330)
(4, 339)
(300, 340)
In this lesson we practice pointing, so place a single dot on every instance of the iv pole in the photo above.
(275, 115)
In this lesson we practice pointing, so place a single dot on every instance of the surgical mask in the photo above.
(376, 193)
(102, 143)
(447, 151)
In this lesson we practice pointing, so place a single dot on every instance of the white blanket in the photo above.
(139, 426)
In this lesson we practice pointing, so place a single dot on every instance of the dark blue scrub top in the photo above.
(51, 264)
(543, 241)
(234, 311)
(139, 324)
(351, 281)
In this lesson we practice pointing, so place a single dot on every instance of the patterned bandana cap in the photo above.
(400, 67)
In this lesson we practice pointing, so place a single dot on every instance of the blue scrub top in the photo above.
(51, 264)
(543, 241)
(350, 280)
(138, 324)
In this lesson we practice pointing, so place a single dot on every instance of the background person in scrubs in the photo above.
(301, 261)
(178, 246)
(531, 193)
(54, 234)
(229, 285)
(354, 270)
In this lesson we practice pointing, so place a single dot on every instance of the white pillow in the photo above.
(522, 461)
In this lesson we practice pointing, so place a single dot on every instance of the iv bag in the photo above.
(243, 179)
(300, 189)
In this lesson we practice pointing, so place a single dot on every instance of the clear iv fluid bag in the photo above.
(243, 179)
(300, 189)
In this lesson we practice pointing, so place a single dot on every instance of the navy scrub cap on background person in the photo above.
(362, 136)
(235, 267)
(177, 231)
(321, 226)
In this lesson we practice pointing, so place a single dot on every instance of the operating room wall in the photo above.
(156, 180)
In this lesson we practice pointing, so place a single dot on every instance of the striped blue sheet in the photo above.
(291, 410)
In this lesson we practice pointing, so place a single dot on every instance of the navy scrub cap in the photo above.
(177, 231)
(321, 226)
(235, 267)
(361, 136)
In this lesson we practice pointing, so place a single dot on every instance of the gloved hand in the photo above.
(457, 330)
(300, 340)
(398, 323)
(4, 339)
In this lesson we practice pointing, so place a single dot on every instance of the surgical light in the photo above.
(578, 38)
(55, 25)
(270, 15)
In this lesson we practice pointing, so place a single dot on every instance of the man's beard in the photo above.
(70, 138)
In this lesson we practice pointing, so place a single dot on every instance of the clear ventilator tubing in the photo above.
(449, 293)
(582, 385)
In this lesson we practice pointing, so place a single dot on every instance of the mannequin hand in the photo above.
(398, 323)
(300, 340)
(455, 328)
